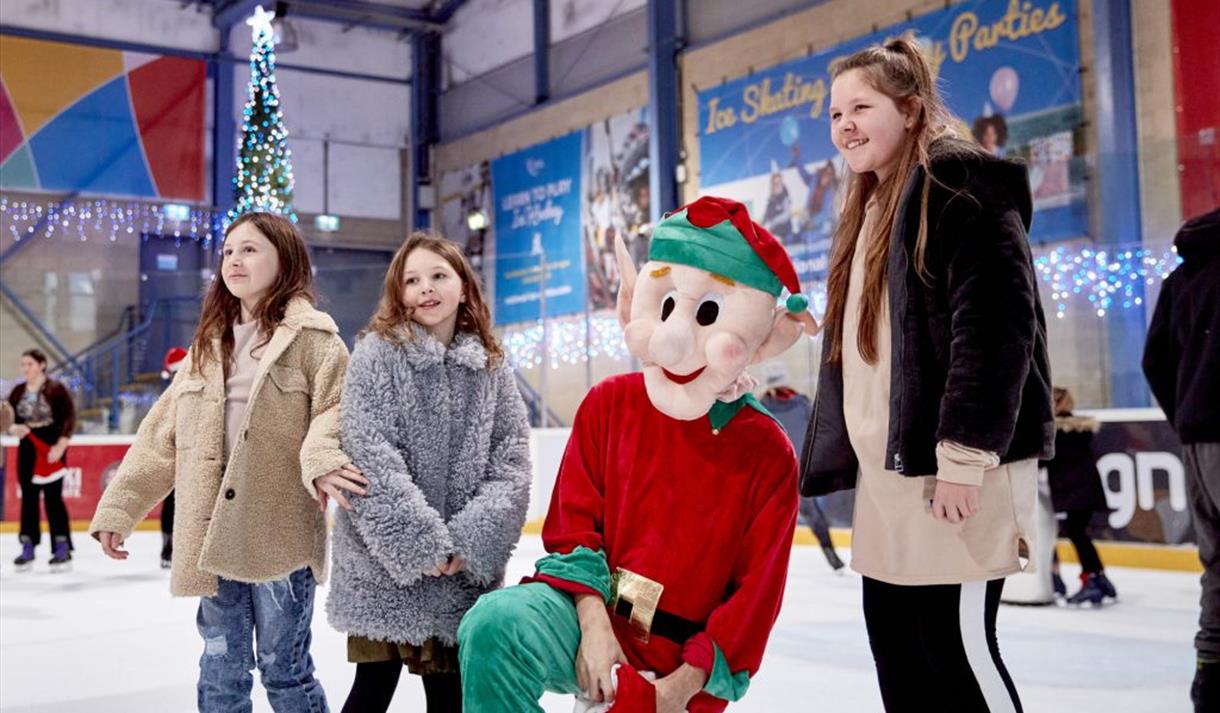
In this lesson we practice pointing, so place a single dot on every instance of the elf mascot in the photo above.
(671, 520)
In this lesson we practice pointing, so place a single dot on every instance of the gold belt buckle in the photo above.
(642, 594)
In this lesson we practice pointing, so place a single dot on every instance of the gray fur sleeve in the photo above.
(487, 529)
(405, 534)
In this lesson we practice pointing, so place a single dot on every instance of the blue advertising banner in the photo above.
(537, 221)
(1008, 68)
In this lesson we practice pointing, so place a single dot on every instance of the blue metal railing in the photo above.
(104, 369)
(36, 324)
(533, 401)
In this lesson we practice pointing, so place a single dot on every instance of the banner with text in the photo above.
(537, 228)
(1008, 68)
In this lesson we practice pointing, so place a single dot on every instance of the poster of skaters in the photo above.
(539, 261)
(615, 201)
(1008, 68)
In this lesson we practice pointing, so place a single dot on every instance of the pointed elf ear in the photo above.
(786, 328)
(627, 275)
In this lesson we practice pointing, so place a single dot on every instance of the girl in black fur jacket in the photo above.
(934, 393)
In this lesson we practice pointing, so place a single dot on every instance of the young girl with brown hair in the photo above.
(432, 415)
(247, 438)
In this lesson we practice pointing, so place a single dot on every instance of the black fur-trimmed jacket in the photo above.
(968, 345)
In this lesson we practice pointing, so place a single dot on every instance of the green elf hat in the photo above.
(717, 235)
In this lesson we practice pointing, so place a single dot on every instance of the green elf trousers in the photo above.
(513, 645)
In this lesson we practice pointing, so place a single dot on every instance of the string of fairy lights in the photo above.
(566, 344)
(1100, 280)
(106, 220)
(1104, 278)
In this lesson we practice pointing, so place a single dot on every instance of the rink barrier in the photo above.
(1178, 558)
(1142, 453)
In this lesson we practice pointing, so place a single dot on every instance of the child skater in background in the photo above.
(1077, 492)
(247, 436)
(934, 393)
(432, 416)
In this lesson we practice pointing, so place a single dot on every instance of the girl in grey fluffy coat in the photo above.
(432, 416)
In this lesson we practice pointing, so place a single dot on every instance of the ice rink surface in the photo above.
(107, 637)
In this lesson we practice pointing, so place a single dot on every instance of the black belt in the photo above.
(673, 627)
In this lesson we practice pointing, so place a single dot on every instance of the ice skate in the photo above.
(61, 557)
(25, 561)
(1095, 590)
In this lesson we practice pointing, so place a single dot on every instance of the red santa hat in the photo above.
(174, 359)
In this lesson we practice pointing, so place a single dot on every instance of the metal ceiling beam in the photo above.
(360, 13)
(223, 57)
(446, 11)
(363, 13)
(406, 13)
(227, 13)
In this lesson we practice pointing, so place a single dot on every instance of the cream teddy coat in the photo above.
(253, 518)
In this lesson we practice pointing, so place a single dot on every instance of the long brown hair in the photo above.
(221, 309)
(393, 316)
(898, 70)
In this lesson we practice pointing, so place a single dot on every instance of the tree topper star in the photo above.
(260, 21)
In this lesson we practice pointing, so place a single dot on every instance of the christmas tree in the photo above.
(263, 180)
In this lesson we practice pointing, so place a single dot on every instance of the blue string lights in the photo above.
(523, 342)
(1106, 279)
(1102, 279)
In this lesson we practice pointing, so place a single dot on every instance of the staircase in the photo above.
(115, 381)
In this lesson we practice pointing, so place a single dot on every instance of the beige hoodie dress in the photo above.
(895, 538)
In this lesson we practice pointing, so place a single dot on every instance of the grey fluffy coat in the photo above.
(444, 442)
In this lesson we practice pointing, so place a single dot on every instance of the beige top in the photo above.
(241, 377)
(895, 539)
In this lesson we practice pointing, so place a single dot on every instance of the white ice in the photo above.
(108, 637)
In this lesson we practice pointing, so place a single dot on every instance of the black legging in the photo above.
(935, 647)
(375, 684)
(167, 514)
(816, 519)
(51, 493)
(1077, 527)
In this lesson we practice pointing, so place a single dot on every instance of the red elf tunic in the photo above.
(705, 507)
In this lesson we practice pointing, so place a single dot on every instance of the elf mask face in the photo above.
(696, 327)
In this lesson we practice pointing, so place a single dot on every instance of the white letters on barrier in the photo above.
(1135, 483)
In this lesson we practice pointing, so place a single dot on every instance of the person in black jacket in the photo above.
(1182, 365)
(1076, 491)
(934, 394)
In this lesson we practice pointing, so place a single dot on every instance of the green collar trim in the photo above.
(721, 412)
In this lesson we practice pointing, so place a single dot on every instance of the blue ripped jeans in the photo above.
(276, 614)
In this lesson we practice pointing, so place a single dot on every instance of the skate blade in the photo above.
(60, 568)
(24, 567)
